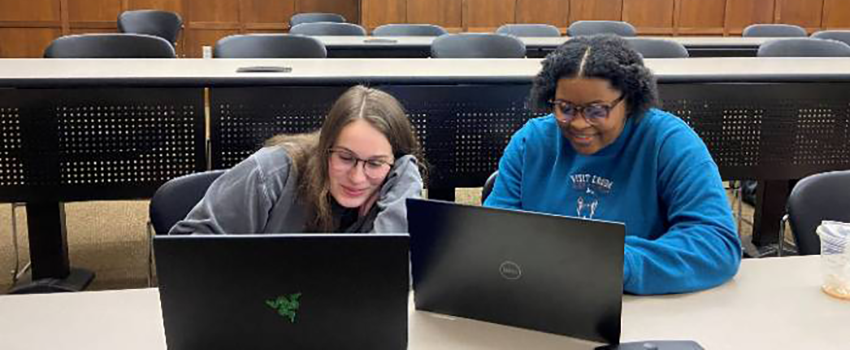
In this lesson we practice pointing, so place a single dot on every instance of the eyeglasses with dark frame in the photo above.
(344, 160)
(593, 113)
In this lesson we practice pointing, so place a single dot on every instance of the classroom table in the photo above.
(536, 47)
(773, 303)
(87, 129)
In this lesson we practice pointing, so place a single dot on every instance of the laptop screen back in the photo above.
(321, 291)
(538, 271)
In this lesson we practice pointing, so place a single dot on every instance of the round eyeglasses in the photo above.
(342, 159)
(594, 113)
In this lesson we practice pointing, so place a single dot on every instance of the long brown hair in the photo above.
(309, 152)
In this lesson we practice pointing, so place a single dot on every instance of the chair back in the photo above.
(328, 28)
(488, 186)
(837, 35)
(658, 48)
(110, 46)
(601, 27)
(774, 30)
(164, 24)
(402, 29)
(477, 45)
(529, 30)
(311, 17)
(269, 46)
(818, 197)
(803, 47)
(175, 199)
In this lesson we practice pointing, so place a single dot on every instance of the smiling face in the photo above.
(349, 185)
(587, 138)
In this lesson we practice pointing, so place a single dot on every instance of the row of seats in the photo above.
(464, 45)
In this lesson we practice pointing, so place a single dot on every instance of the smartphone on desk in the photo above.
(264, 69)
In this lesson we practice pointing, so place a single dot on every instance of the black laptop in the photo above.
(294, 291)
(538, 271)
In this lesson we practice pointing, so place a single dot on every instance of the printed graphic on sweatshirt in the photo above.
(591, 188)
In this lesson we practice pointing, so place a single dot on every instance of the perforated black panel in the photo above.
(86, 144)
(753, 131)
(767, 131)
(241, 119)
(11, 162)
(466, 127)
(463, 129)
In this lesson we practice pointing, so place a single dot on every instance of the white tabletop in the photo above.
(222, 72)
(771, 304)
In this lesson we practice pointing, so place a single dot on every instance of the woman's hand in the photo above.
(364, 208)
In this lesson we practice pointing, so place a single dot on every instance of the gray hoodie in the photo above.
(259, 195)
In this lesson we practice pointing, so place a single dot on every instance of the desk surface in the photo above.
(222, 72)
(407, 41)
(771, 304)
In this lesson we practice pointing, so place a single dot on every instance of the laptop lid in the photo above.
(544, 272)
(293, 291)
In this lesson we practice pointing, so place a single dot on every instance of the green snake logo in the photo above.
(286, 307)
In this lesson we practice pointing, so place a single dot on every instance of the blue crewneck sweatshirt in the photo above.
(657, 177)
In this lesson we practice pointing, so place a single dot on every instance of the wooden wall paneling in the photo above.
(165, 5)
(701, 17)
(650, 17)
(198, 38)
(554, 12)
(93, 14)
(608, 10)
(213, 11)
(29, 10)
(26, 42)
(805, 13)
(741, 13)
(267, 16)
(350, 9)
(27, 27)
(487, 15)
(206, 21)
(445, 13)
(836, 14)
(374, 13)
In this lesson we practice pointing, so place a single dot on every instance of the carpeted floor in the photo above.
(110, 238)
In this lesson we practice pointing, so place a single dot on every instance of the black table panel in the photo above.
(771, 131)
(62, 145)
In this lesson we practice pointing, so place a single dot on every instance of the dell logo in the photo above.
(510, 270)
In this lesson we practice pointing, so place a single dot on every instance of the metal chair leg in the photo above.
(782, 223)
(18, 272)
(150, 254)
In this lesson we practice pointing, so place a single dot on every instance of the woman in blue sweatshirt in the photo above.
(606, 153)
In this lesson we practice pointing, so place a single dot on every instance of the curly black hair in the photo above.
(605, 57)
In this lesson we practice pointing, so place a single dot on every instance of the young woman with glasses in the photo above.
(353, 175)
(605, 152)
